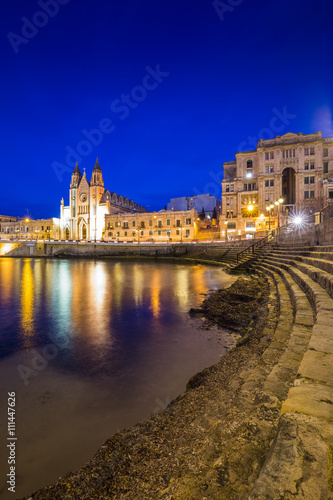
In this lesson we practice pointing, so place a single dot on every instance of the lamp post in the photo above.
(269, 208)
(181, 235)
(226, 230)
(278, 203)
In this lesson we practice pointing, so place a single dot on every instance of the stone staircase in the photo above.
(300, 461)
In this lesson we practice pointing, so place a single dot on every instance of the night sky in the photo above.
(207, 80)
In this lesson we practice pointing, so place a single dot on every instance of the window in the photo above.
(177, 232)
(266, 170)
(325, 152)
(306, 151)
(168, 222)
(271, 169)
(117, 235)
(125, 233)
(271, 196)
(312, 180)
(232, 188)
(267, 183)
(245, 187)
(266, 197)
(271, 182)
(266, 156)
(126, 225)
(231, 225)
(118, 224)
(159, 224)
(231, 201)
(228, 201)
(150, 233)
(326, 168)
(227, 188)
(133, 234)
(253, 186)
(306, 195)
(271, 155)
(187, 233)
(330, 194)
(42, 228)
(168, 233)
(312, 166)
(306, 166)
(306, 180)
(109, 234)
(142, 223)
(188, 221)
(249, 164)
(150, 223)
(142, 233)
(311, 194)
(311, 151)
(178, 223)
(133, 223)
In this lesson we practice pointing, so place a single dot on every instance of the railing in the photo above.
(252, 248)
(326, 213)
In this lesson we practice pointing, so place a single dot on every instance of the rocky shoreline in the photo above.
(211, 442)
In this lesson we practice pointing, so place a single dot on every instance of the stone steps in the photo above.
(296, 466)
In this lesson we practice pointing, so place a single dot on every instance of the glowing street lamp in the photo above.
(269, 208)
(226, 230)
(278, 203)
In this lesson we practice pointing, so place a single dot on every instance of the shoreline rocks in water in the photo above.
(235, 307)
(211, 441)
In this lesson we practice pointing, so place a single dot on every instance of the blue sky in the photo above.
(175, 89)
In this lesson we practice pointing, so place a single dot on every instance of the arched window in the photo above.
(249, 164)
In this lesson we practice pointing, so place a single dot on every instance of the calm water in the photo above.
(91, 347)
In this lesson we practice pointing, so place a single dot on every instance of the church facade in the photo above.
(89, 203)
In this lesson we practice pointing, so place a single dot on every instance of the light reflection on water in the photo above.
(125, 341)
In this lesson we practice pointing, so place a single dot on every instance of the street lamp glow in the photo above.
(281, 200)
(298, 220)
(250, 208)
(249, 175)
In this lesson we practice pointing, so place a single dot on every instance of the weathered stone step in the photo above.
(290, 338)
(327, 256)
(323, 278)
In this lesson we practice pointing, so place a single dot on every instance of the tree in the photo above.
(214, 214)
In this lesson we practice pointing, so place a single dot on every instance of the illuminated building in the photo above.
(294, 167)
(89, 202)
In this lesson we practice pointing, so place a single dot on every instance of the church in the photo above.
(89, 202)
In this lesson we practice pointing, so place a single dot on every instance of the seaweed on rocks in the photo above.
(237, 306)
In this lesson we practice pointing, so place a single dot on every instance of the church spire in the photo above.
(97, 166)
(97, 176)
(76, 176)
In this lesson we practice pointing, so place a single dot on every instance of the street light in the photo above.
(226, 230)
(181, 234)
(278, 203)
(269, 208)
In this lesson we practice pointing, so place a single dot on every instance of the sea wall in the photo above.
(99, 249)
